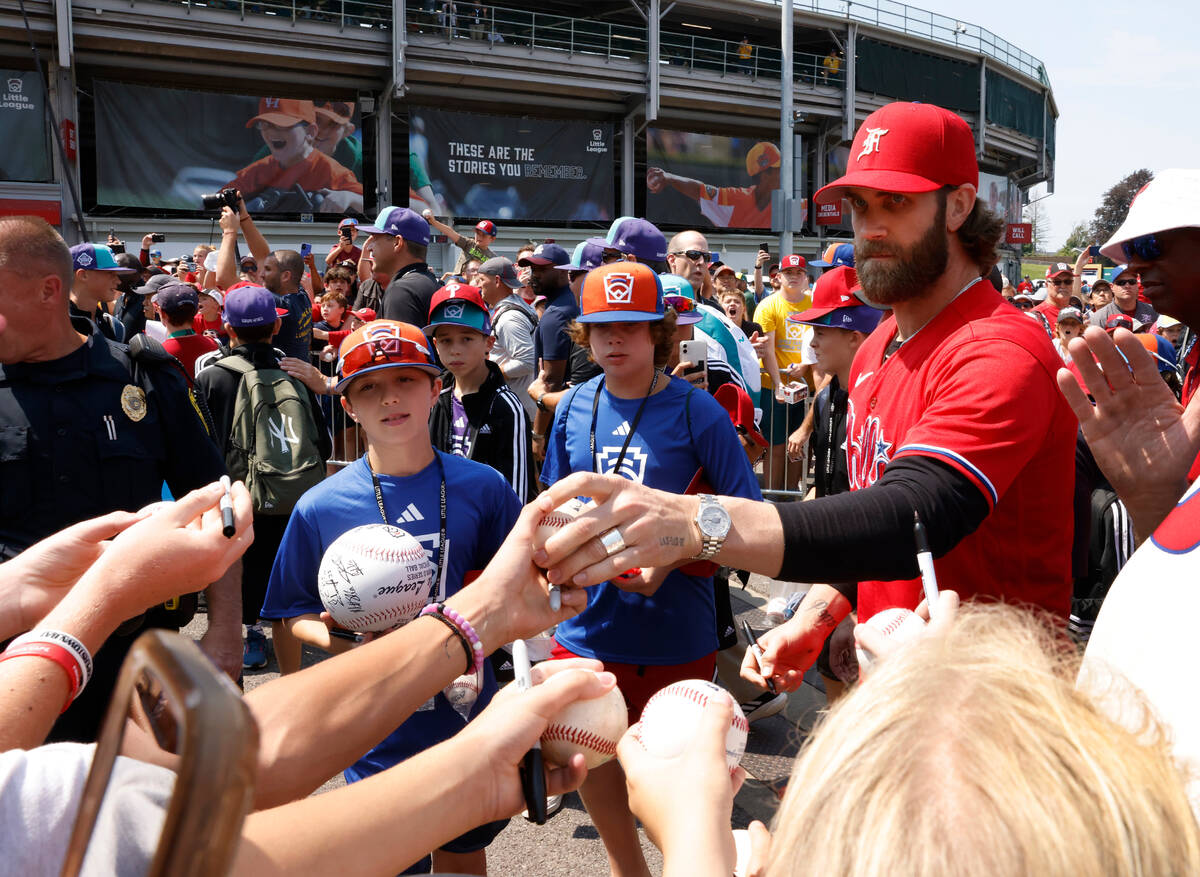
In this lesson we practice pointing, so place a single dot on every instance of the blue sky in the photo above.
(1125, 78)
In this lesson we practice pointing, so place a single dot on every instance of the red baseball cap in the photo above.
(284, 112)
(837, 304)
(621, 292)
(1120, 321)
(1058, 268)
(383, 344)
(457, 304)
(792, 261)
(908, 147)
(486, 226)
(740, 407)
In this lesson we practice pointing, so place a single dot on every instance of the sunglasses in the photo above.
(1067, 282)
(1024, 305)
(400, 351)
(681, 303)
(611, 256)
(1126, 282)
(1145, 248)
(694, 255)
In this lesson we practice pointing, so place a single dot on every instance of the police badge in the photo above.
(133, 402)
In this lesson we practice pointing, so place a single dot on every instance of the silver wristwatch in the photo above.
(714, 522)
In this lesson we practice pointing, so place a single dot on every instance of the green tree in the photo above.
(1115, 205)
(1080, 237)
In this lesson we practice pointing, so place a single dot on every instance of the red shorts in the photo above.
(640, 682)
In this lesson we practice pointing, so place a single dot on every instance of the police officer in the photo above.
(89, 427)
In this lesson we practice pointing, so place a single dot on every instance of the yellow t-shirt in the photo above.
(772, 314)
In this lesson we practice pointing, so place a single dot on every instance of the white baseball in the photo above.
(901, 625)
(374, 577)
(591, 727)
(672, 715)
(463, 691)
(560, 517)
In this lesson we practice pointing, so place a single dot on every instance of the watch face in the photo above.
(714, 521)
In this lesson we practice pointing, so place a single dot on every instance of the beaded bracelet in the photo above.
(464, 627)
(74, 647)
(470, 655)
(56, 653)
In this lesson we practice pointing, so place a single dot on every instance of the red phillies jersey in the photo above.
(975, 389)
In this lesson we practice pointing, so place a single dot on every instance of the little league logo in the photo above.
(618, 288)
(453, 311)
(793, 331)
(14, 86)
(84, 259)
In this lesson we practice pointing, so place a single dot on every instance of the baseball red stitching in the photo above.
(579, 737)
(698, 697)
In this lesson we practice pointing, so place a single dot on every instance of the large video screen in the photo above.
(24, 147)
(509, 167)
(705, 180)
(164, 148)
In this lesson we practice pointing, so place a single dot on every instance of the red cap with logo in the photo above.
(740, 407)
(833, 290)
(1058, 269)
(908, 147)
(486, 226)
(792, 261)
(457, 304)
(284, 112)
(621, 292)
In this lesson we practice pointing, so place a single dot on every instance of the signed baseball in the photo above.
(374, 577)
(463, 691)
(591, 727)
(901, 625)
(672, 715)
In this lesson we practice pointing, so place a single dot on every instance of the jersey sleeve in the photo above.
(292, 588)
(725, 463)
(981, 425)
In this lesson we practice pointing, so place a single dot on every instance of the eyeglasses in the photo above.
(400, 351)
(1132, 282)
(681, 303)
(1067, 282)
(1024, 305)
(1145, 248)
(694, 255)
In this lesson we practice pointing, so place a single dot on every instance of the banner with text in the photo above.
(285, 155)
(509, 167)
(24, 146)
(709, 181)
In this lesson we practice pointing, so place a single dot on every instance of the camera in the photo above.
(224, 198)
(158, 237)
(344, 231)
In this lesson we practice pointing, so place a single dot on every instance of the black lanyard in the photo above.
(632, 427)
(441, 547)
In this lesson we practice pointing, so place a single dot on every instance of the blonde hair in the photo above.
(974, 754)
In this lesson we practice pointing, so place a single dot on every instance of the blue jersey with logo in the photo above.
(480, 510)
(675, 438)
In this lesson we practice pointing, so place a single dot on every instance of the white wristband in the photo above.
(77, 649)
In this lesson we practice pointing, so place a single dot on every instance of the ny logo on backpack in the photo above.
(274, 445)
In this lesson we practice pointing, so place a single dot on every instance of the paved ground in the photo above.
(568, 844)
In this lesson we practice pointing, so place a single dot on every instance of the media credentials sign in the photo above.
(509, 167)
(829, 214)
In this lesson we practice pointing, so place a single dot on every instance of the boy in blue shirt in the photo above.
(458, 509)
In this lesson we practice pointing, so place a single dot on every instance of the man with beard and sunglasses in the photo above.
(953, 416)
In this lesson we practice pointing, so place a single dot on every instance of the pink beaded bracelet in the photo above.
(464, 627)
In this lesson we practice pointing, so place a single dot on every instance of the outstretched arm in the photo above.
(657, 179)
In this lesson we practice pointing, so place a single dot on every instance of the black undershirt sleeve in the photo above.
(868, 534)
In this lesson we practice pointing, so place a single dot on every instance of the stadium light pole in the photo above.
(786, 123)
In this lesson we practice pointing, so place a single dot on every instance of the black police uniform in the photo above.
(93, 432)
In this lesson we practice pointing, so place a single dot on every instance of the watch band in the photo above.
(709, 545)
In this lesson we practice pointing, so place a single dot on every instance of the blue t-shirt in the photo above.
(480, 510)
(550, 340)
(295, 328)
(677, 624)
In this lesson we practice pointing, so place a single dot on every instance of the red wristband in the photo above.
(54, 652)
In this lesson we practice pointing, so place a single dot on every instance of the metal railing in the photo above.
(366, 14)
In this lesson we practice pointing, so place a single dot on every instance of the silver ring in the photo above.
(613, 541)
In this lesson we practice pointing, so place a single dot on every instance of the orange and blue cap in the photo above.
(383, 344)
(621, 292)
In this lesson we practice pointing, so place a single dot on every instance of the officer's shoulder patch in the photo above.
(143, 348)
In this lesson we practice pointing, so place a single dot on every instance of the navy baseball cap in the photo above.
(502, 269)
(175, 295)
(251, 306)
(835, 256)
(546, 254)
(588, 254)
(96, 257)
(637, 237)
(400, 222)
(1117, 272)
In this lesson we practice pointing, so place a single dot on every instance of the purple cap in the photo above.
(400, 222)
(173, 296)
(546, 254)
(96, 257)
(251, 306)
(637, 237)
(588, 254)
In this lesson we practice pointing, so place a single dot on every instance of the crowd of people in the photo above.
(1046, 441)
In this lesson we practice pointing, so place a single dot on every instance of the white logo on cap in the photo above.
(618, 288)
(271, 103)
(453, 311)
(538, 251)
(452, 288)
(84, 259)
(871, 144)
(845, 298)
